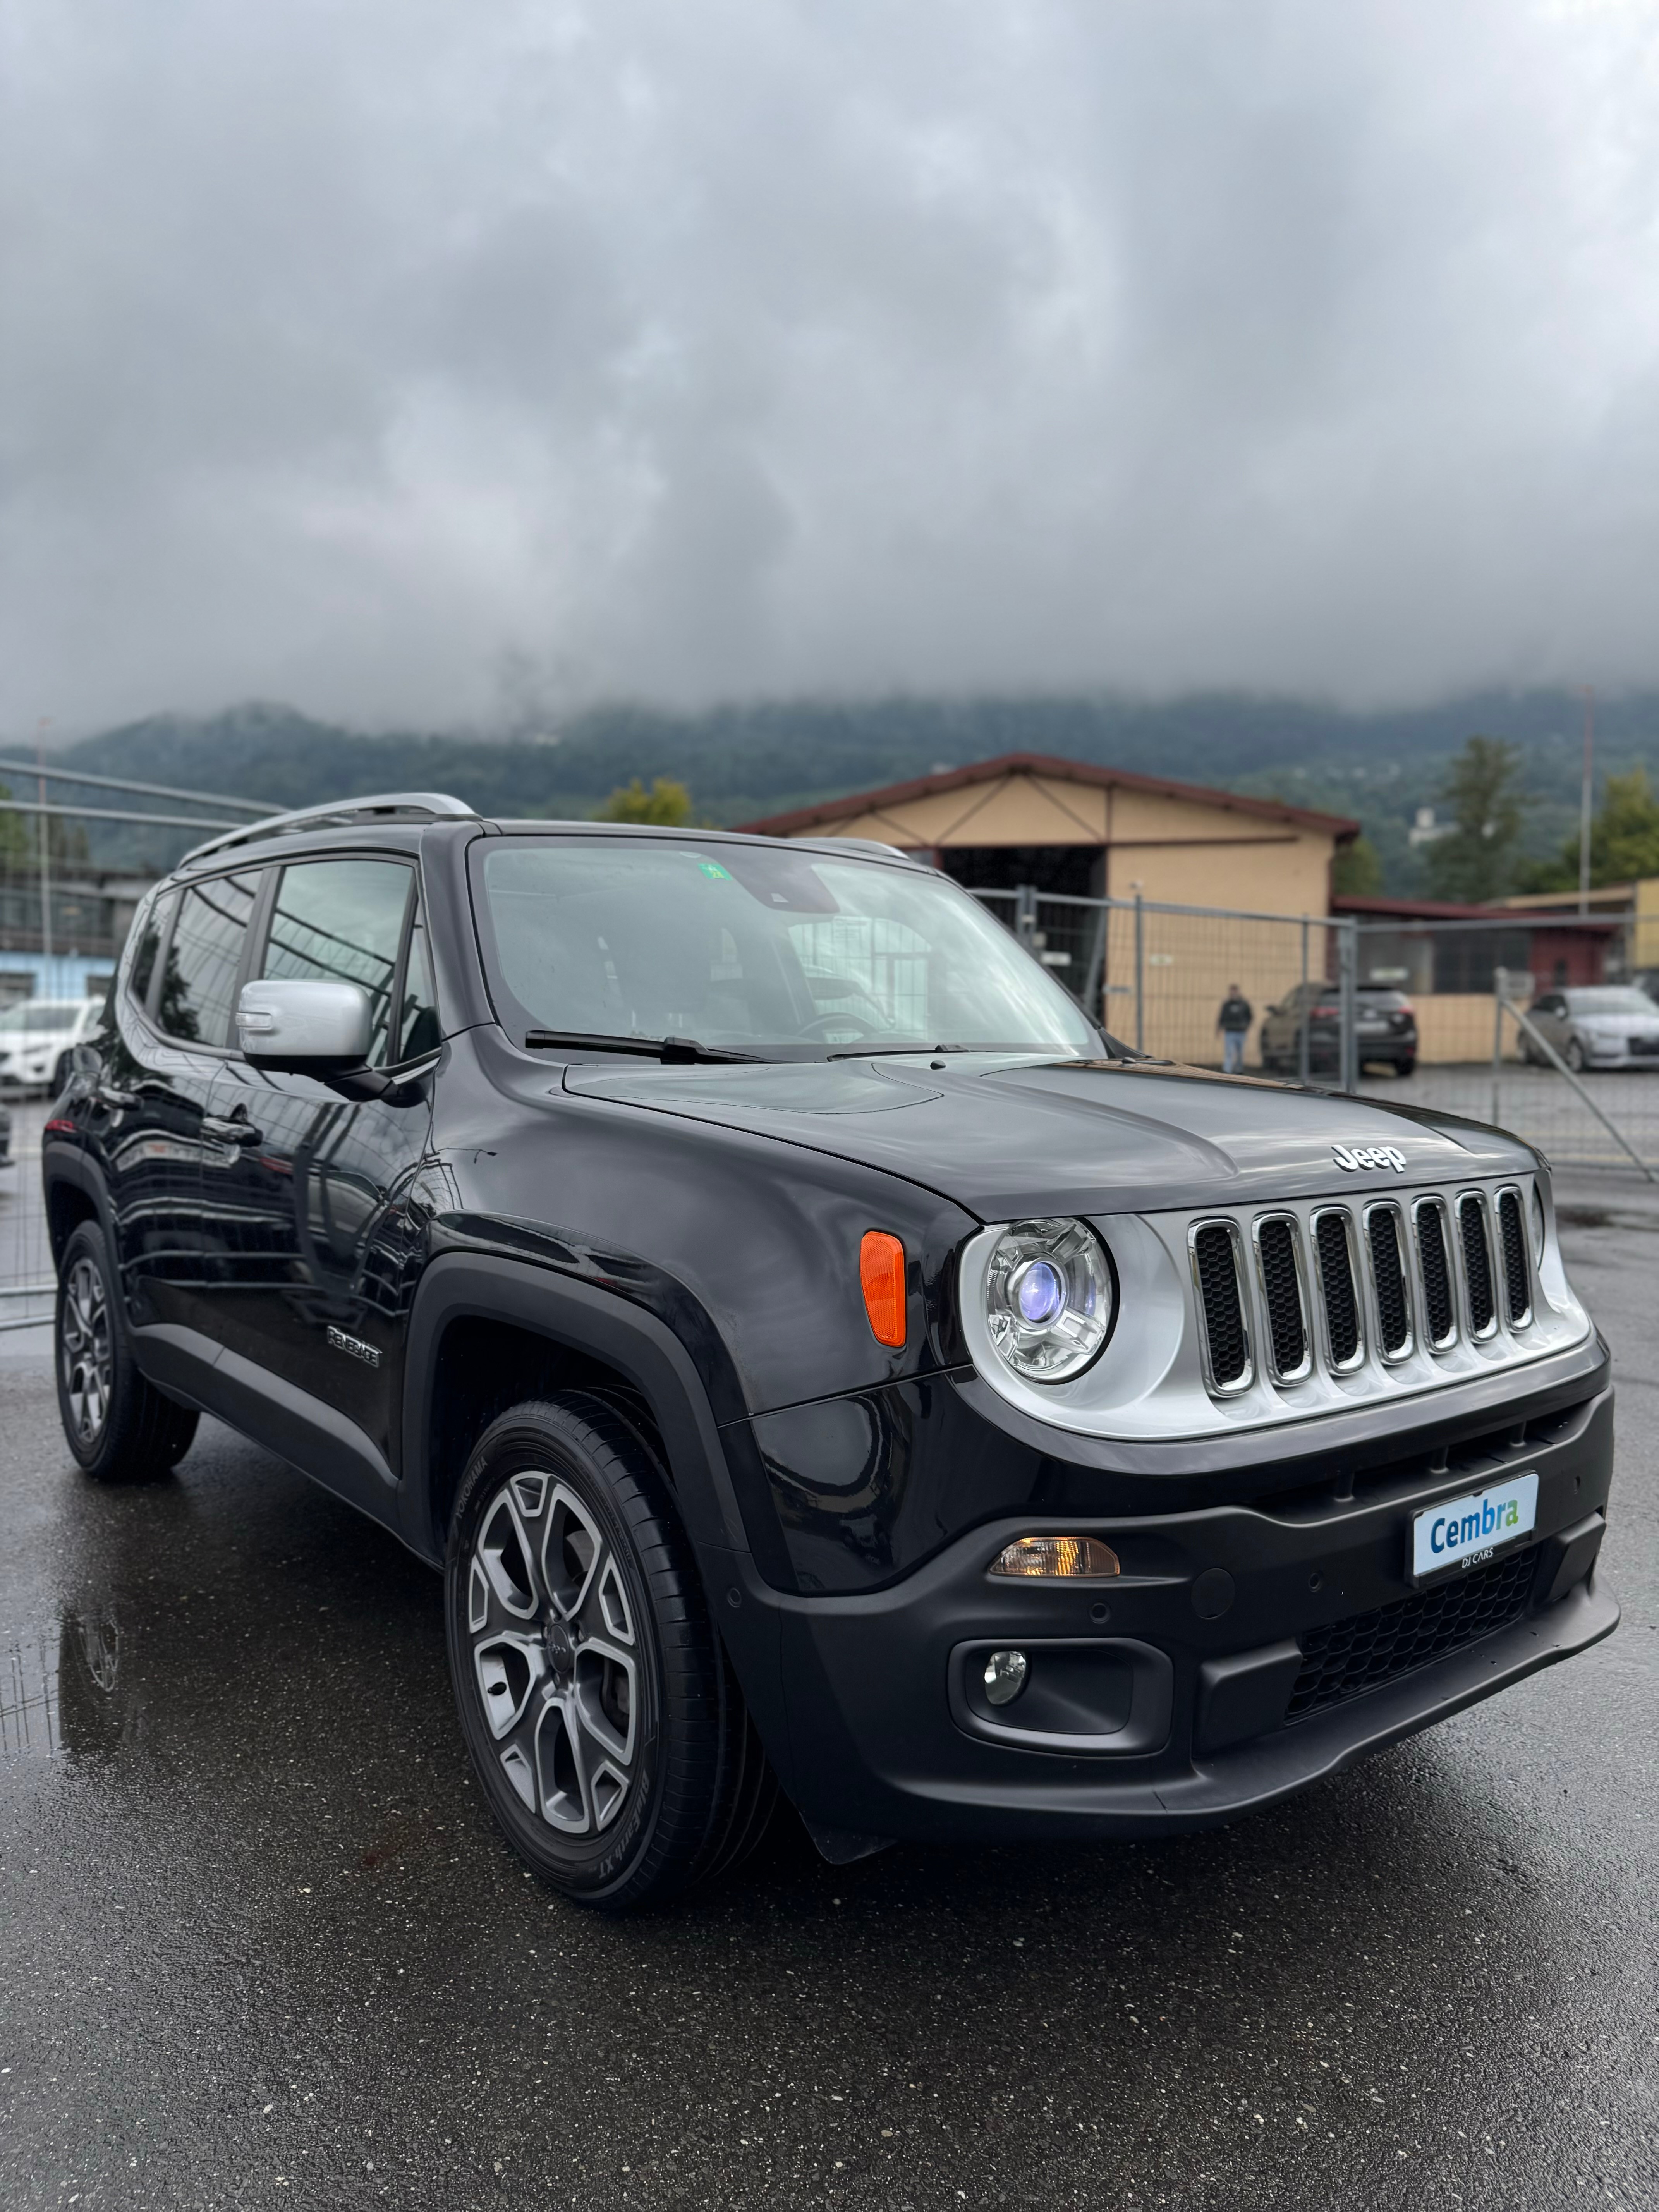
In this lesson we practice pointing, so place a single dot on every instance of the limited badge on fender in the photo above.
(368, 1353)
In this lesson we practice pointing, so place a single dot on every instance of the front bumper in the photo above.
(1617, 1054)
(1168, 1689)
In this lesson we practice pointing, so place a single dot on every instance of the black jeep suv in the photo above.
(817, 1357)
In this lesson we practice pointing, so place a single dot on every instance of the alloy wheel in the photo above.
(555, 1655)
(84, 1349)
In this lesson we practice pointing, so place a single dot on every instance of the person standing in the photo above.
(1234, 1023)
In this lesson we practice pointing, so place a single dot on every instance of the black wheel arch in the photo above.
(75, 1192)
(592, 1339)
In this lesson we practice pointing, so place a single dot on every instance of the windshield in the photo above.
(754, 949)
(35, 1016)
(1626, 1000)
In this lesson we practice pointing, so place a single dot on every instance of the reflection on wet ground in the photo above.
(74, 1665)
(259, 1945)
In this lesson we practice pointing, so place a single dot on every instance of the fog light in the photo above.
(1084, 1557)
(1005, 1676)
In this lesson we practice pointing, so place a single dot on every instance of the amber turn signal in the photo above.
(1084, 1558)
(881, 1272)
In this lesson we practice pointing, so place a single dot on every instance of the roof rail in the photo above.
(867, 845)
(384, 806)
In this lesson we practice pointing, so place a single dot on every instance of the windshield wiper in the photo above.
(683, 1049)
(871, 1051)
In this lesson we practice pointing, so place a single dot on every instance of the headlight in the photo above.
(1050, 1299)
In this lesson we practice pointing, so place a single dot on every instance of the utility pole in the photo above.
(45, 865)
(1584, 799)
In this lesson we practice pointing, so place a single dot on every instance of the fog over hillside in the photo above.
(746, 761)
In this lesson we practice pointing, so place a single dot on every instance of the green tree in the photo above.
(1477, 861)
(15, 844)
(1624, 840)
(1356, 870)
(666, 803)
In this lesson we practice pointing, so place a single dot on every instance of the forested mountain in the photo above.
(744, 761)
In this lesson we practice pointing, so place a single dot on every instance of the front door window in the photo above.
(342, 921)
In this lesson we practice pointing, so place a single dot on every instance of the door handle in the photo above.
(223, 1131)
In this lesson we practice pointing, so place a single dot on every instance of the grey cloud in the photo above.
(404, 359)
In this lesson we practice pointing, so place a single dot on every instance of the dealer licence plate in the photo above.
(1465, 1532)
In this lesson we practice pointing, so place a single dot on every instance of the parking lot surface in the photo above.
(260, 1944)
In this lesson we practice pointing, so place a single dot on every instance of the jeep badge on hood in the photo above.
(1369, 1156)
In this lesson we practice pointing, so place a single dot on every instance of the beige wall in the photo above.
(1181, 852)
(1176, 849)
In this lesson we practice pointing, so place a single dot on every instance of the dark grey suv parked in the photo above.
(1385, 1026)
(817, 1357)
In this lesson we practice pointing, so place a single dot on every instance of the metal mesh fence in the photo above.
(1322, 994)
(1156, 976)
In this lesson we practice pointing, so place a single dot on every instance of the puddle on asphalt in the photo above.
(57, 1688)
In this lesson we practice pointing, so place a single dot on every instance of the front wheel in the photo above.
(119, 1425)
(595, 1696)
(1574, 1055)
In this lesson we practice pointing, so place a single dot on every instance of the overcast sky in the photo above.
(427, 360)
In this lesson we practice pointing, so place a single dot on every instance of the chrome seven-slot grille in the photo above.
(1435, 1265)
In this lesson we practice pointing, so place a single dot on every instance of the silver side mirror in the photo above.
(304, 1028)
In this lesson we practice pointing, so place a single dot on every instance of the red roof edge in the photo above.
(1408, 909)
(1067, 771)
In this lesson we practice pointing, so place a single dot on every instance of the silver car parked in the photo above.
(1604, 1025)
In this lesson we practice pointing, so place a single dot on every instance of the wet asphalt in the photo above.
(260, 1944)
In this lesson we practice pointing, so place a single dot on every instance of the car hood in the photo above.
(1004, 1137)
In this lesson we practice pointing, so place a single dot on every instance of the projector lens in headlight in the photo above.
(1050, 1299)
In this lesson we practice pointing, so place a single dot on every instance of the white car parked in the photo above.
(1609, 1025)
(36, 1038)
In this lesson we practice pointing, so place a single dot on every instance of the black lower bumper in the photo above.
(1197, 1684)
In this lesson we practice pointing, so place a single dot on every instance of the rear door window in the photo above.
(342, 921)
(204, 959)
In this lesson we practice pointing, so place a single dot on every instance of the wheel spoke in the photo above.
(573, 1552)
(506, 1553)
(606, 1683)
(561, 1777)
(508, 1667)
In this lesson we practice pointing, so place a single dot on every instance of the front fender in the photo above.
(719, 1485)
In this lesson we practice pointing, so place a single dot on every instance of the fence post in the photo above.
(1141, 971)
(1348, 949)
(46, 891)
(1093, 998)
(1500, 992)
(1025, 916)
(1301, 1059)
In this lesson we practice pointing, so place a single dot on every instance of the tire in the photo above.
(1406, 1065)
(119, 1425)
(1574, 1055)
(597, 1704)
